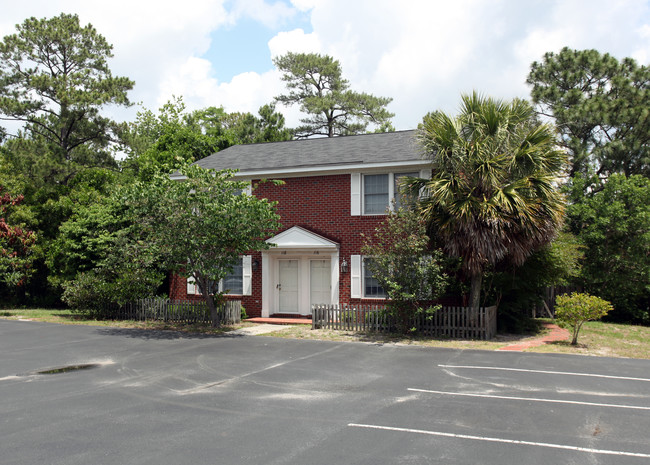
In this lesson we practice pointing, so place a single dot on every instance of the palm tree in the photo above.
(493, 191)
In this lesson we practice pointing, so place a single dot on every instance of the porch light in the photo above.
(344, 266)
(255, 265)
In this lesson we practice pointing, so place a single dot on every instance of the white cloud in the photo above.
(296, 41)
(271, 15)
(423, 53)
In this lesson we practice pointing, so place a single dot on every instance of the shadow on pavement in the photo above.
(153, 334)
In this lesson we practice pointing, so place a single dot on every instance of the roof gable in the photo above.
(300, 238)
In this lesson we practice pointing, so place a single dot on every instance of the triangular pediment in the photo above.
(301, 238)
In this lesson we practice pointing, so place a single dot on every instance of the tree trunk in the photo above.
(475, 295)
(214, 314)
(209, 300)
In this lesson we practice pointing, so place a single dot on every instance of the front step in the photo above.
(282, 321)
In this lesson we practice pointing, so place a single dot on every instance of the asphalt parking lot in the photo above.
(90, 395)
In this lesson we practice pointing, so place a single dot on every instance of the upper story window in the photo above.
(379, 189)
(376, 194)
(402, 199)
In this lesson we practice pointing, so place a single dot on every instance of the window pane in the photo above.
(370, 285)
(233, 283)
(402, 200)
(375, 193)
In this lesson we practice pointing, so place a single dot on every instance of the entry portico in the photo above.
(300, 269)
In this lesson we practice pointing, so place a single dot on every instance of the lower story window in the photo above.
(371, 287)
(233, 283)
(237, 282)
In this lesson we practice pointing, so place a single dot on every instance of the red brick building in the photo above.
(334, 190)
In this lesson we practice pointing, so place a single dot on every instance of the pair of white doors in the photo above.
(291, 288)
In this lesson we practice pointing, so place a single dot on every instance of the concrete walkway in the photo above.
(556, 334)
(260, 329)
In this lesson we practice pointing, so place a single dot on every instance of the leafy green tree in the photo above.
(128, 271)
(574, 310)
(201, 225)
(614, 226)
(162, 143)
(16, 245)
(52, 194)
(518, 289)
(492, 196)
(409, 271)
(88, 237)
(54, 77)
(270, 125)
(315, 82)
(600, 105)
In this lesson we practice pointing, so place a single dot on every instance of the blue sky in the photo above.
(243, 46)
(421, 53)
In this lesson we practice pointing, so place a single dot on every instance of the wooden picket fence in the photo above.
(453, 322)
(173, 311)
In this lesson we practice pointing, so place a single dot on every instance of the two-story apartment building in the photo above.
(335, 190)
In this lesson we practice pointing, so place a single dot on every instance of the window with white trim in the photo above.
(402, 199)
(371, 194)
(233, 282)
(371, 287)
(237, 282)
(375, 194)
(362, 283)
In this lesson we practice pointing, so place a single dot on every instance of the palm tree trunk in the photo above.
(475, 295)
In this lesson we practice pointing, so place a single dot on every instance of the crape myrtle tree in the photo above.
(202, 225)
(601, 106)
(405, 266)
(493, 191)
(16, 244)
(315, 82)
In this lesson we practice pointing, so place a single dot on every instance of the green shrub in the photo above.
(408, 270)
(573, 310)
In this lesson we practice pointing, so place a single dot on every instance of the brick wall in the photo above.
(320, 204)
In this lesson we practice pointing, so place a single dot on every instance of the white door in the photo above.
(320, 279)
(288, 286)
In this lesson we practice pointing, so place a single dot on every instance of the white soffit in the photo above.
(300, 238)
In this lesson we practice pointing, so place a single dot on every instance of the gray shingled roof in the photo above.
(388, 147)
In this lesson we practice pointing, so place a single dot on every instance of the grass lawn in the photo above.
(67, 317)
(606, 340)
(596, 338)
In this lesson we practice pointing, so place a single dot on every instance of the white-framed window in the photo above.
(233, 282)
(363, 284)
(238, 282)
(376, 194)
(248, 190)
(401, 199)
(371, 194)
(371, 287)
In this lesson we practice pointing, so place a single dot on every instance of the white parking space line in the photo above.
(569, 373)
(531, 399)
(502, 440)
